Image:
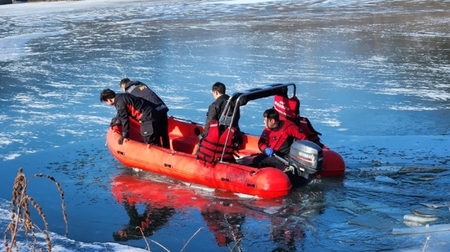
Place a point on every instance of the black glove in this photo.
(114, 122)
(122, 138)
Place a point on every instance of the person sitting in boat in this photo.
(128, 105)
(218, 142)
(289, 109)
(139, 89)
(216, 108)
(276, 139)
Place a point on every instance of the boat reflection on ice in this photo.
(223, 212)
(144, 224)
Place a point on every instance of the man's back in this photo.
(135, 106)
(139, 89)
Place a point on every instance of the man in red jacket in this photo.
(277, 138)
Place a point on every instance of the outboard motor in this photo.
(305, 158)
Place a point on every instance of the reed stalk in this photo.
(21, 203)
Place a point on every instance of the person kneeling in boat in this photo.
(141, 90)
(145, 112)
(276, 139)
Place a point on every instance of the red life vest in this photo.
(226, 143)
(289, 108)
(307, 129)
(213, 145)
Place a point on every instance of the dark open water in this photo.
(372, 76)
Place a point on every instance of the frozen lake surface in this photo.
(372, 76)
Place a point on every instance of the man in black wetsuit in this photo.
(139, 89)
(145, 112)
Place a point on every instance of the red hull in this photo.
(180, 162)
(137, 190)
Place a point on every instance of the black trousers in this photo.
(164, 130)
(262, 160)
(155, 129)
(150, 132)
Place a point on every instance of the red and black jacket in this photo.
(128, 105)
(280, 138)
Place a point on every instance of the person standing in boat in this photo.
(140, 89)
(276, 138)
(145, 112)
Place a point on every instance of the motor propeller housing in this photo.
(305, 158)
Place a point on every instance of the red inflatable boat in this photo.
(182, 163)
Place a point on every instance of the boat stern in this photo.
(333, 164)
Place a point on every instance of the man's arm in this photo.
(122, 116)
(263, 141)
(296, 132)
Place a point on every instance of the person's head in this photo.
(271, 118)
(120, 235)
(108, 96)
(218, 89)
(123, 83)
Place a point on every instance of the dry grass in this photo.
(21, 217)
(160, 245)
